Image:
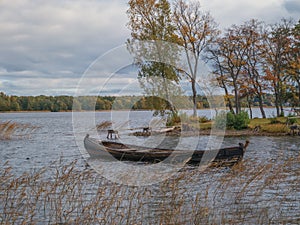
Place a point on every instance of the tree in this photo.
(152, 20)
(196, 30)
(277, 44)
(215, 59)
(4, 102)
(293, 65)
(253, 40)
(229, 53)
(14, 105)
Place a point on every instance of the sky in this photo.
(49, 47)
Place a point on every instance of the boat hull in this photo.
(104, 149)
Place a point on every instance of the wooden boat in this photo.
(122, 152)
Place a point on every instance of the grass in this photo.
(205, 126)
(266, 125)
(248, 193)
(10, 129)
(271, 125)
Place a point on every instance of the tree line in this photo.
(247, 61)
(52, 103)
(69, 103)
(88, 103)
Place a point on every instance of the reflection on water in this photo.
(267, 181)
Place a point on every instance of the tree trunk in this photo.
(277, 104)
(236, 98)
(259, 91)
(237, 102)
(228, 99)
(280, 97)
(298, 93)
(281, 110)
(230, 105)
(261, 107)
(250, 108)
(194, 97)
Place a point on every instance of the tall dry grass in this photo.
(248, 193)
(9, 129)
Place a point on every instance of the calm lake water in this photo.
(54, 139)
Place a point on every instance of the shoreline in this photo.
(230, 133)
(108, 110)
(247, 132)
(227, 133)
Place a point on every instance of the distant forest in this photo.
(68, 103)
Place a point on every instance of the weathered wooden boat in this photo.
(122, 152)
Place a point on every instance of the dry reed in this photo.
(9, 129)
(248, 193)
(104, 125)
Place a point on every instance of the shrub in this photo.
(291, 119)
(230, 120)
(240, 121)
(176, 118)
(173, 119)
(220, 120)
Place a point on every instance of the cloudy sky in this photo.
(47, 46)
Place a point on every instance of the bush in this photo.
(220, 120)
(173, 119)
(291, 119)
(230, 120)
(176, 118)
(240, 121)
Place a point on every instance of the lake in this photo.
(55, 140)
(55, 136)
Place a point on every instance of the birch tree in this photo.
(196, 30)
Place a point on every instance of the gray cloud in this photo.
(46, 46)
(228, 12)
(55, 39)
(292, 6)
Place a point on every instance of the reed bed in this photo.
(10, 129)
(247, 193)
